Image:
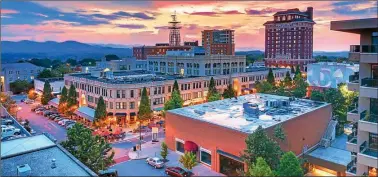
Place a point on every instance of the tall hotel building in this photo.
(363, 141)
(218, 42)
(289, 39)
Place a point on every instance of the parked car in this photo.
(9, 130)
(6, 121)
(28, 101)
(57, 119)
(39, 111)
(176, 171)
(156, 162)
(69, 125)
(68, 122)
(46, 113)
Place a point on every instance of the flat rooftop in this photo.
(230, 113)
(52, 79)
(38, 152)
(355, 26)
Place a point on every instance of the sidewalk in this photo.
(149, 149)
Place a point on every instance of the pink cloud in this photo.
(8, 11)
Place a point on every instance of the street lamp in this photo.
(140, 135)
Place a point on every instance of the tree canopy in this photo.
(260, 145)
(71, 97)
(144, 107)
(259, 169)
(71, 61)
(288, 81)
(188, 160)
(47, 93)
(176, 87)
(87, 62)
(62, 107)
(289, 165)
(300, 87)
(317, 95)
(174, 102)
(270, 77)
(19, 86)
(100, 111)
(229, 92)
(264, 87)
(47, 73)
(111, 57)
(91, 150)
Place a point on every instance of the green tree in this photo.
(46, 95)
(214, 97)
(144, 107)
(289, 165)
(19, 86)
(46, 73)
(62, 69)
(279, 132)
(229, 92)
(174, 102)
(288, 81)
(292, 70)
(300, 87)
(111, 57)
(71, 97)
(260, 145)
(188, 160)
(176, 87)
(91, 150)
(264, 87)
(270, 77)
(339, 103)
(317, 95)
(100, 112)
(259, 169)
(164, 151)
(72, 62)
(282, 90)
(212, 89)
(298, 71)
(62, 107)
(87, 62)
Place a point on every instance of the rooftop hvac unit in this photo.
(199, 112)
(251, 110)
(23, 170)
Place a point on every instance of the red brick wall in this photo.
(310, 126)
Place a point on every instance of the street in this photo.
(41, 124)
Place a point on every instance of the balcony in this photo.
(368, 122)
(364, 53)
(353, 84)
(367, 155)
(352, 167)
(369, 88)
(351, 144)
(352, 114)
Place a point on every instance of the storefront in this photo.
(121, 118)
(230, 165)
(86, 113)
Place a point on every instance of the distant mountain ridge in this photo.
(13, 51)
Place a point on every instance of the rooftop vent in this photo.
(277, 103)
(23, 170)
(252, 110)
(53, 164)
(199, 112)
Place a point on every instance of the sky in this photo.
(145, 22)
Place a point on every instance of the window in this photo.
(123, 93)
(180, 146)
(132, 105)
(124, 106)
(118, 105)
(169, 89)
(118, 93)
(131, 94)
(110, 105)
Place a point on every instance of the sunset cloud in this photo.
(146, 22)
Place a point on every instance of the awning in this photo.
(330, 157)
(226, 154)
(85, 112)
(159, 109)
(110, 113)
(132, 114)
(120, 114)
(54, 102)
(190, 146)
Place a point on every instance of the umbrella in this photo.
(105, 133)
(96, 132)
(117, 131)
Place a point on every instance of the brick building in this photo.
(218, 42)
(289, 39)
(216, 131)
(141, 52)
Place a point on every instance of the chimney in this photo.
(310, 11)
(23, 170)
(53, 165)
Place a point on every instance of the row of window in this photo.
(18, 72)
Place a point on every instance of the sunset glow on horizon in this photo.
(144, 22)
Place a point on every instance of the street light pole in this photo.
(140, 135)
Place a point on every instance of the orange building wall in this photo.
(309, 127)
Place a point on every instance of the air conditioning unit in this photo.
(23, 170)
(199, 112)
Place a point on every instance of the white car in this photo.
(156, 162)
(61, 122)
(9, 131)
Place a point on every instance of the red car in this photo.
(176, 171)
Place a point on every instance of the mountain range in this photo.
(14, 51)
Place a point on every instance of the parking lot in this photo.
(41, 124)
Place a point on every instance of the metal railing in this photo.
(369, 82)
(352, 138)
(364, 48)
(354, 78)
(351, 167)
(353, 108)
(366, 116)
(363, 147)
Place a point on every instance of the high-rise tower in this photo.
(174, 33)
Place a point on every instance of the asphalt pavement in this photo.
(41, 124)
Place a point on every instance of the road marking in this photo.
(52, 124)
